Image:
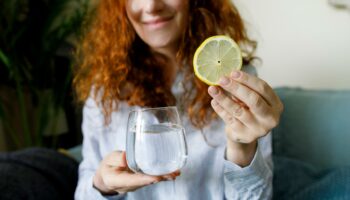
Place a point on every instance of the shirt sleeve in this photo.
(254, 181)
(92, 127)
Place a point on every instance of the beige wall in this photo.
(301, 42)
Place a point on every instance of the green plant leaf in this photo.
(4, 59)
(35, 40)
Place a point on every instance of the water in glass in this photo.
(156, 142)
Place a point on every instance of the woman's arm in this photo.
(253, 181)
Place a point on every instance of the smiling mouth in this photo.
(158, 22)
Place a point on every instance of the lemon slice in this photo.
(216, 57)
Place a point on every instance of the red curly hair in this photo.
(120, 66)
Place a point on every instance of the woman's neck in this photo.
(171, 66)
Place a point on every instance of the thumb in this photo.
(123, 165)
(116, 159)
(123, 162)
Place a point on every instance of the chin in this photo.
(159, 43)
(160, 40)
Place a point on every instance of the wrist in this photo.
(240, 153)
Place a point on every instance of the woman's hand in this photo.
(114, 177)
(250, 109)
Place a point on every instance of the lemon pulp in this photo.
(216, 57)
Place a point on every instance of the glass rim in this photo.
(153, 108)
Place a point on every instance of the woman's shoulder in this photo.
(94, 101)
(93, 109)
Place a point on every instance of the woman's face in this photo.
(159, 23)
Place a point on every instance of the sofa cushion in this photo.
(314, 127)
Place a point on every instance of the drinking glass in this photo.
(155, 141)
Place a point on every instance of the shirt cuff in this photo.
(256, 172)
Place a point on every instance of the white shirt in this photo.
(206, 174)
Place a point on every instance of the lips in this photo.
(158, 22)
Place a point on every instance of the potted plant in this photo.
(37, 40)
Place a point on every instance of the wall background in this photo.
(302, 43)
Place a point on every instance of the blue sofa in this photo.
(315, 127)
(311, 145)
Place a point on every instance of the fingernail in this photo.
(224, 81)
(235, 74)
(213, 90)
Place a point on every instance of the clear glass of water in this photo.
(156, 141)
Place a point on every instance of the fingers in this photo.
(131, 181)
(117, 159)
(123, 181)
(251, 98)
(239, 128)
(171, 176)
(233, 110)
(247, 104)
(141, 180)
(119, 174)
(256, 84)
(228, 118)
(115, 176)
(137, 179)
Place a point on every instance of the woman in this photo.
(138, 53)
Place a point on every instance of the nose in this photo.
(154, 6)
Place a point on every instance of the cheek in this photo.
(133, 11)
(133, 6)
(179, 5)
